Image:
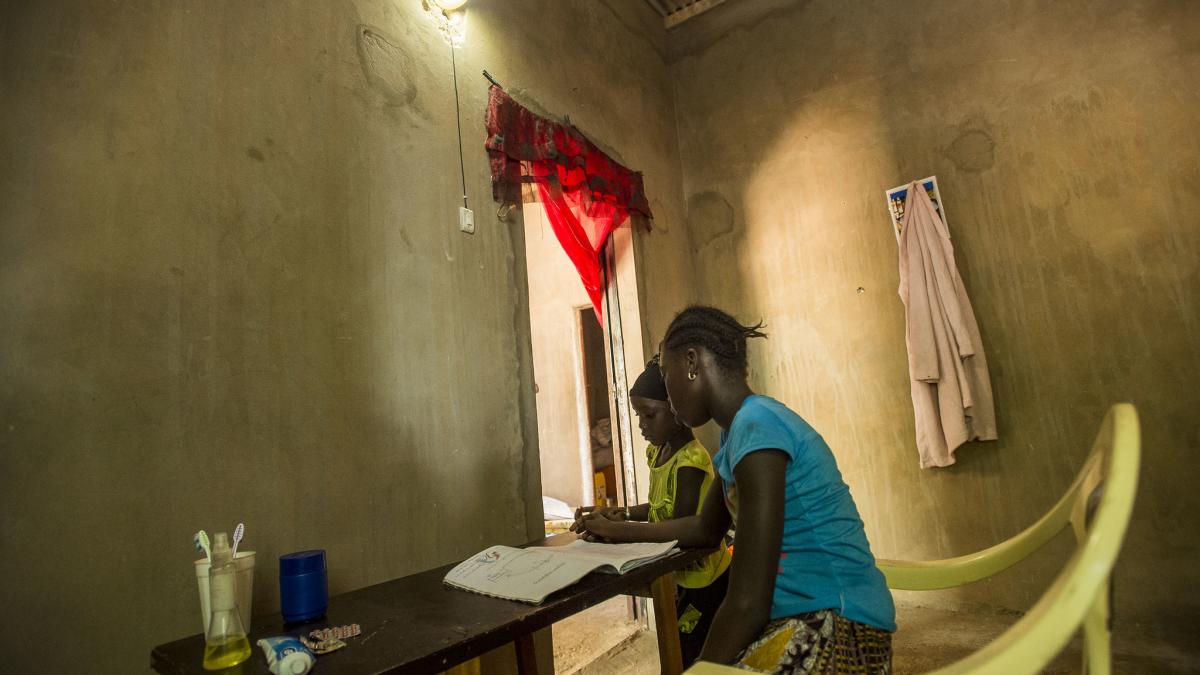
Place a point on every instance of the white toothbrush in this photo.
(201, 539)
(238, 533)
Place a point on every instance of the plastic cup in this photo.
(244, 561)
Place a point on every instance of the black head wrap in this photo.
(650, 383)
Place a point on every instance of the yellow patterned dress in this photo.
(819, 643)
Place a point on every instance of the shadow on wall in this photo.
(796, 124)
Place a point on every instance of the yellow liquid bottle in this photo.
(225, 653)
(225, 643)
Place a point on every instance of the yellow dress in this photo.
(662, 506)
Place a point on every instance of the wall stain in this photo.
(710, 218)
(255, 154)
(389, 69)
(973, 150)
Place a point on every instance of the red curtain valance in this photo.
(585, 193)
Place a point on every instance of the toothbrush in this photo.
(202, 542)
(238, 533)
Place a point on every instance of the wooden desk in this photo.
(416, 624)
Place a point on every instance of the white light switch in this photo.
(466, 220)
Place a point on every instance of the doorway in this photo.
(579, 366)
(583, 415)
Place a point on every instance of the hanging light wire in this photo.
(462, 169)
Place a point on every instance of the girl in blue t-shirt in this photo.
(804, 593)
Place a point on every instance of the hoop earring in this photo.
(691, 376)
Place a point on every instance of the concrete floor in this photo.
(597, 636)
(928, 639)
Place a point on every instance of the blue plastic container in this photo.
(303, 586)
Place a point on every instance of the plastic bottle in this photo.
(225, 643)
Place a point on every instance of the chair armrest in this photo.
(706, 668)
(928, 575)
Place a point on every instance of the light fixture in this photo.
(450, 17)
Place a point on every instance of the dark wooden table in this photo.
(416, 624)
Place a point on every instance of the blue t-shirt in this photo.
(825, 561)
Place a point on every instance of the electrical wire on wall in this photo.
(462, 169)
(450, 17)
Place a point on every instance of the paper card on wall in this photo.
(897, 195)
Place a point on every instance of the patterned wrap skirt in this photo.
(819, 643)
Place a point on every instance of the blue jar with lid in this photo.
(303, 586)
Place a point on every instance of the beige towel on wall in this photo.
(951, 392)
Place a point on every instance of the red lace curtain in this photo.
(585, 193)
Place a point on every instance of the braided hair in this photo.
(716, 331)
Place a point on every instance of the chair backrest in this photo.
(1072, 509)
(1109, 482)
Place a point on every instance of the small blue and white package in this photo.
(286, 655)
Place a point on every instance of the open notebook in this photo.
(530, 574)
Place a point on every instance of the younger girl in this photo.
(680, 475)
(804, 593)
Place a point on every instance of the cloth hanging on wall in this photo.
(951, 391)
(585, 193)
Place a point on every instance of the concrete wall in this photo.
(1065, 139)
(233, 290)
(554, 293)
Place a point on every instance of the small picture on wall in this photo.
(897, 195)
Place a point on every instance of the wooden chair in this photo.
(1097, 507)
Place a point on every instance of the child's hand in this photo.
(580, 514)
(607, 512)
(593, 526)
